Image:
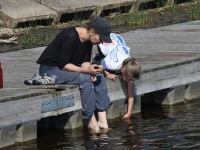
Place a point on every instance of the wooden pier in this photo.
(170, 59)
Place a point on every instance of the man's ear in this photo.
(92, 31)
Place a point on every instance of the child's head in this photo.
(130, 69)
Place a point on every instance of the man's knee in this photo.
(85, 78)
(85, 81)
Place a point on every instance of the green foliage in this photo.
(36, 37)
(194, 11)
(138, 18)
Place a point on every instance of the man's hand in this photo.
(95, 69)
(91, 69)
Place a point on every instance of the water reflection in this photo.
(165, 127)
(98, 141)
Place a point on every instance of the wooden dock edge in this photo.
(169, 86)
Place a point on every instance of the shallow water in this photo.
(166, 127)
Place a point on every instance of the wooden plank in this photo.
(164, 45)
(168, 78)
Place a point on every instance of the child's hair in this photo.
(132, 68)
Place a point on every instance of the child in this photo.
(115, 59)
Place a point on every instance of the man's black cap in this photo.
(102, 27)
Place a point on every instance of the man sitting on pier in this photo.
(66, 60)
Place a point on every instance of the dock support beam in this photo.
(70, 120)
(26, 131)
(7, 136)
(192, 91)
(116, 109)
(137, 104)
(169, 96)
(119, 108)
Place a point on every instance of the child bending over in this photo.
(115, 59)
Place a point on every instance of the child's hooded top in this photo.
(115, 53)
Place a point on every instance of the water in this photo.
(160, 127)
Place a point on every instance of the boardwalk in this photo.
(170, 58)
(154, 48)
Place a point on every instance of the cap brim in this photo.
(106, 38)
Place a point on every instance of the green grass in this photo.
(41, 36)
(194, 11)
(139, 18)
(36, 37)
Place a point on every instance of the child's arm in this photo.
(130, 100)
(110, 75)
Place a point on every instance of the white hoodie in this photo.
(115, 53)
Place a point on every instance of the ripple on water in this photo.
(166, 127)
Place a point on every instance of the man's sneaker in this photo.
(44, 80)
(30, 81)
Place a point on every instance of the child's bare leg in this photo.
(93, 125)
(102, 120)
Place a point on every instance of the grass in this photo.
(194, 11)
(159, 16)
(35, 37)
(41, 36)
(139, 18)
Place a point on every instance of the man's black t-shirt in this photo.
(66, 48)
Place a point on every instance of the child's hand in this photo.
(111, 76)
(126, 116)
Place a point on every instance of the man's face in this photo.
(94, 38)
